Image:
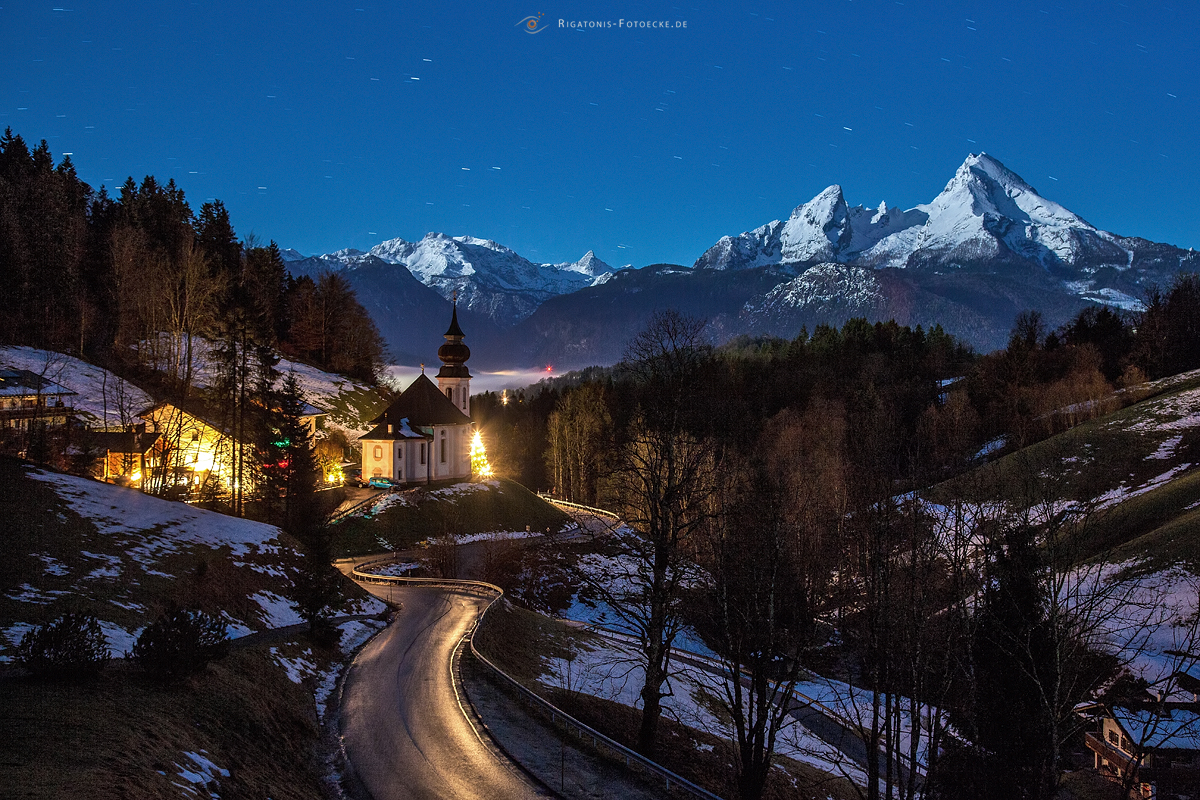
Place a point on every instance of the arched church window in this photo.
(378, 452)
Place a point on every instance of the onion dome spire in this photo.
(454, 353)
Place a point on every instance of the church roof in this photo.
(400, 430)
(422, 404)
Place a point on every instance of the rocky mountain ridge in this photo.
(987, 247)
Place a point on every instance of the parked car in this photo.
(380, 483)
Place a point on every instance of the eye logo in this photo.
(532, 24)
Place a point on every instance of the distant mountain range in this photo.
(984, 249)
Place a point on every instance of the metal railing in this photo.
(556, 713)
(598, 511)
(338, 516)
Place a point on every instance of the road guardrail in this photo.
(598, 511)
(556, 713)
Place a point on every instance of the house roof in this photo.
(125, 441)
(193, 407)
(309, 410)
(422, 404)
(23, 383)
(1161, 729)
(211, 415)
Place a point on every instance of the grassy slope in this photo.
(123, 737)
(1142, 461)
(112, 737)
(44, 549)
(477, 508)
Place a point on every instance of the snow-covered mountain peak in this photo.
(344, 254)
(986, 212)
(819, 229)
(487, 277)
(983, 185)
(589, 265)
(824, 205)
(390, 251)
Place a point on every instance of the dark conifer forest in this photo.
(104, 277)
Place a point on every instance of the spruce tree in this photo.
(289, 463)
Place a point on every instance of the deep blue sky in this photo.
(359, 118)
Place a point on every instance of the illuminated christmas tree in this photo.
(479, 463)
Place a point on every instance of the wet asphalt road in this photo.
(405, 724)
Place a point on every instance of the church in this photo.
(425, 435)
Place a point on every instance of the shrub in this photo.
(72, 646)
(180, 642)
(323, 633)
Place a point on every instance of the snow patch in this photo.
(32, 594)
(115, 510)
(120, 641)
(1166, 449)
(278, 612)
(53, 565)
(202, 773)
(298, 667)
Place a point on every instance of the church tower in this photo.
(454, 379)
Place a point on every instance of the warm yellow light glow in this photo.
(204, 458)
(503, 397)
(479, 462)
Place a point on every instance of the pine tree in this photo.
(1012, 654)
(289, 464)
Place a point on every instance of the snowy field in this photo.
(610, 670)
(621, 578)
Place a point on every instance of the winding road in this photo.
(405, 725)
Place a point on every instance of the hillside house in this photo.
(1157, 743)
(27, 398)
(126, 455)
(425, 435)
(194, 447)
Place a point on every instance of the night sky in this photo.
(342, 124)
